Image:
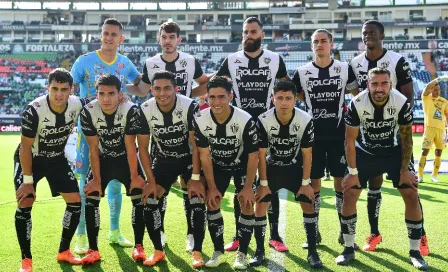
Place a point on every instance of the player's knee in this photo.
(261, 208)
(160, 191)
(27, 202)
(307, 208)
(375, 182)
(438, 152)
(71, 197)
(114, 188)
(316, 184)
(247, 209)
(425, 152)
(93, 195)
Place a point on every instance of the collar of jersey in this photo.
(108, 63)
(232, 110)
(178, 55)
(382, 55)
(56, 113)
(257, 57)
(326, 67)
(289, 122)
(171, 111)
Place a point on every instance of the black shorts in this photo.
(329, 154)
(57, 171)
(116, 168)
(166, 173)
(371, 166)
(223, 177)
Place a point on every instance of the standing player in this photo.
(187, 69)
(378, 141)
(107, 126)
(46, 125)
(227, 140)
(322, 84)
(86, 70)
(286, 134)
(168, 118)
(253, 72)
(435, 110)
(377, 56)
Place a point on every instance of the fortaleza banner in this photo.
(217, 47)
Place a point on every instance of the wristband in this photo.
(28, 179)
(306, 181)
(264, 182)
(352, 171)
(195, 176)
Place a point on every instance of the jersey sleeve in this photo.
(145, 76)
(352, 83)
(143, 123)
(405, 115)
(351, 116)
(403, 72)
(192, 110)
(78, 70)
(197, 69)
(308, 136)
(250, 137)
(30, 122)
(282, 72)
(87, 124)
(201, 140)
(264, 140)
(296, 80)
(224, 69)
(133, 72)
(132, 121)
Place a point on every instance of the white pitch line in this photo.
(276, 259)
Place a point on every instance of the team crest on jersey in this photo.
(391, 110)
(183, 63)
(385, 64)
(36, 104)
(119, 116)
(437, 115)
(72, 114)
(234, 127)
(295, 127)
(198, 114)
(178, 113)
(90, 105)
(120, 66)
(267, 60)
(337, 69)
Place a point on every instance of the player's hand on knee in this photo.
(350, 181)
(94, 185)
(213, 198)
(261, 192)
(136, 183)
(408, 178)
(246, 197)
(149, 190)
(195, 188)
(24, 191)
(307, 191)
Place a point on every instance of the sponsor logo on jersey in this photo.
(46, 120)
(308, 73)
(359, 65)
(56, 130)
(153, 118)
(234, 127)
(324, 82)
(155, 66)
(365, 113)
(323, 114)
(180, 127)
(237, 61)
(251, 103)
(99, 120)
(276, 140)
(240, 72)
(391, 110)
(104, 131)
(273, 128)
(371, 123)
(207, 128)
(224, 141)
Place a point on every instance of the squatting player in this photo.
(227, 140)
(378, 141)
(46, 125)
(286, 140)
(253, 71)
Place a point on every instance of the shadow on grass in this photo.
(125, 261)
(302, 263)
(395, 192)
(355, 263)
(174, 260)
(405, 259)
(66, 267)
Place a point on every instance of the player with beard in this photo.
(187, 70)
(377, 56)
(378, 141)
(85, 71)
(227, 140)
(322, 84)
(46, 125)
(253, 72)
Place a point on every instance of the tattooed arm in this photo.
(405, 132)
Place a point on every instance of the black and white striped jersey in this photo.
(397, 65)
(230, 142)
(253, 79)
(378, 126)
(324, 90)
(50, 129)
(285, 141)
(185, 67)
(169, 131)
(112, 128)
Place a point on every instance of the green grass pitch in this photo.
(391, 255)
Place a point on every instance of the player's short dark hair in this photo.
(164, 75)
(60, 75)
(108, 80)
(253, 20)
(220, 82)
(376, 23)
(170, 27)
(113, 21)
(378, 71)
(322, 30)
(285, 86)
